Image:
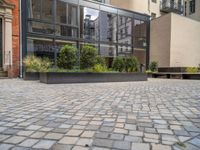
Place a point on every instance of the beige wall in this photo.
(175, 41)
(195, 15)
(144, 6)
(160, 40)
(185, 42)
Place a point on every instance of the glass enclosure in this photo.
(50, 24)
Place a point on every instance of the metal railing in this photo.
(171, 6)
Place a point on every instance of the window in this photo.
(192, 6)
(154, 1)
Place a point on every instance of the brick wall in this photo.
(14, 69)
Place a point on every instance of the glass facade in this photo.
(50, 24)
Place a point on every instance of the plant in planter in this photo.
(68, 57)
(153, 66)
(101, 60)
(98, 68)
(192, 70)
(118, 64)
(132, 64)
(36, 64)
(88, 56)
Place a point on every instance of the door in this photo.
(1, 51)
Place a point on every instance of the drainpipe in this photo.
(20, 24)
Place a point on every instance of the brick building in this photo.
(9, 38)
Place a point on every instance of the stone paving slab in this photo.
(155, 115)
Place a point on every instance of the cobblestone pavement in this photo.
(154, 115)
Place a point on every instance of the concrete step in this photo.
(3, 74)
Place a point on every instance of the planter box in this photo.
(60, 77)
(31, 76)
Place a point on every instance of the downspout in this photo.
(20, 24)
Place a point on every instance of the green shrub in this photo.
(99, 68)
(132, 64)
(153, 66)
(149, 71)
(88, 56)
(68, 57)
(101, 60)
(119, 64)
(192, 70)
(36, 64)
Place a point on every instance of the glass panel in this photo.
(108, 27)
(72, 18)
(125, 50)
(40, 9)
(39, 27)
(62, 30)
(108, 50)
(140, 54)
(89, 23)
(40, 48)
(61, 16)
(140, 34)
(125, 30)
(34, 9)
(47, 10)
(140, 31)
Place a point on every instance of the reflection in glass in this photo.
(38, 27)
(62, 30)
(140, 41)
(61, 12)
(40, 9)
(125, 30)
(40, 48)
(89, 23)
(125, 50)
(108, 27)
(66, 13)
(108, 50)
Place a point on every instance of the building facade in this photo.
(47, 25)
(9, 38)
(175, 41)
(192, 9)
(154, 8)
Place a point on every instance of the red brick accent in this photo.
(14, 69)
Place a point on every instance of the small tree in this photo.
(67, 58)
(153, 66)
(132, 64)
(119, 64)
(88, 56)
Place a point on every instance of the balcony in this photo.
(168, 6)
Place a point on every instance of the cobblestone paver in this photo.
(154, 115)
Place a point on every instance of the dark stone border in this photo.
(33, 76)
(189, 76)
(60, 77)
